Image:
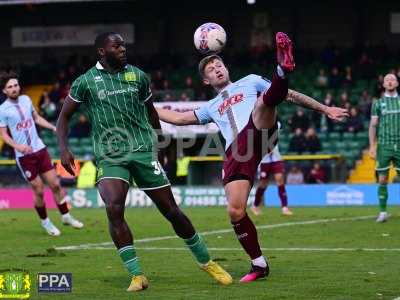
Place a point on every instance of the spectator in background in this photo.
(379, 89)
(47, 108)
(166, 86)
(366, 66)
(54, 94)
(299, 120)
(348, 80)
(321, 80)
(184, 97)
(167, 97)
(313, 144)
(335, 81)
(297, 142)
(354, 123)
(325, 124)
(82, 128)
(295, 176)
(317, 174)
(344, 99)
(158, 80)
(365, 104)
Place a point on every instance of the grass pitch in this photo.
(332, 257)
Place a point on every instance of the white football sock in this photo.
(259, 262)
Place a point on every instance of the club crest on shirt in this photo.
(101, 94)
(28, 174)
(130, 76)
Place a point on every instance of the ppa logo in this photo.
(54, 282)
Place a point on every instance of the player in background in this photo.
(384, 138)
(245, 112)
(18, 114)
(117, 98)
(271, 164)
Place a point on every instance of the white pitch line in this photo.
(295, 249)
(212, 232)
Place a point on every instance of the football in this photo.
(209, 38)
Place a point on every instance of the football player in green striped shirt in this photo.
(117, 99)
(384, 138)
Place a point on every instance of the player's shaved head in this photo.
(102, 39)
(390, 76)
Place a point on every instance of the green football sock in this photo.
(383, 196)
(131, 261)
(199, 249)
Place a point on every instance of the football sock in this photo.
(41, 211)
(282, 195)
(198, 248)
(131, 261)
(63, 208)
(277, 92)
(259, 196)
(259, 261)
(383, 196)
(246, 233)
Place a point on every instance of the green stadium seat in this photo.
(348, 136)
(326, 146)
(73, 142)
(86, 142)
(334, 135)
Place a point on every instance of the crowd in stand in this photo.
(336, 78)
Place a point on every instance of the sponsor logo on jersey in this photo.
(102, 94)
(25, 124)
(229, 102)
(98, 78)
(130, 76)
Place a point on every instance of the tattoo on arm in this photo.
(304, 101)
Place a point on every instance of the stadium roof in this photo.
(18, 2)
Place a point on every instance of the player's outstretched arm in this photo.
(372, 136)
(177, 118)
(42, 122)
(332, 112)
(25, 149)
(67, 158)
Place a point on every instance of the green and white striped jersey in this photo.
(115, 105)
(387, 109)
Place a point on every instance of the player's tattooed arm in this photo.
(67, 158)
(177, 118)
(334, 113)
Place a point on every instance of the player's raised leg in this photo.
(264, 113)
(237, 193)
(113, 192)
(54, 184)
(40, 207)
(165, 202)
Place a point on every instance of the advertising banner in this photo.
(77, 35)
(299, 195)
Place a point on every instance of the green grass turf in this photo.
(99, 274)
